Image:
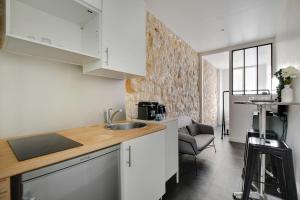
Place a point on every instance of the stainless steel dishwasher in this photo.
(94, 176)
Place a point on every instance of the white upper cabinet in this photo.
(106, 37)
(123, 40)
(62, 30)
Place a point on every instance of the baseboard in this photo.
(237, 140)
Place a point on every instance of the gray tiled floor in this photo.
(219, 174)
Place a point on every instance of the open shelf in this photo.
(69, 10)
(60, 30)
(29, 47)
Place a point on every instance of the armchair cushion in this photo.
(183, 130)
(204, 129)
(203, 140)
(194, 129)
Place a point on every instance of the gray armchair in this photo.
(194, 137)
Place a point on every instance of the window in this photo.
(252, 70)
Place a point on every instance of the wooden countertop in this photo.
(93, 138)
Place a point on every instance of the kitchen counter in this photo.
(92, 138)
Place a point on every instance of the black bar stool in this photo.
(255, 133)
(283, 162)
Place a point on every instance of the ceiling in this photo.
(200, 22)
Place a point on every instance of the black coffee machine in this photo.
(149, 110)
(161, 109)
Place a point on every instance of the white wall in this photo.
(43, 96)
(288, 53)
(224, 85)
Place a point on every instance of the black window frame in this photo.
(244, 67)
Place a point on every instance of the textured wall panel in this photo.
(172, 74)
(210, 94)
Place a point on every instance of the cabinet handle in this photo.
(84, 158)
(129, 156)
(106, 51)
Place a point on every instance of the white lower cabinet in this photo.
(143, 167)
(171, 149)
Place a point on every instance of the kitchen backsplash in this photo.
(42, 96)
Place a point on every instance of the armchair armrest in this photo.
(187, 144)
(204, 129)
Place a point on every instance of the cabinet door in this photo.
(142, 168)
(123, 36)
(171, 148)
(93, 179)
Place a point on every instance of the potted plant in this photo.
(285, 77)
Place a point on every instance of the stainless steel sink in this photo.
(125, 125)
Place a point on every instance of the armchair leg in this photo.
(214, 146)
(195, 161)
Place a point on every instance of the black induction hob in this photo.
(30, 147)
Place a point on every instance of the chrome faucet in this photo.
(109, 117)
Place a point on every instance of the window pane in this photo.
(238, 81)
(251, 71)
(264, 68)
(238, 72)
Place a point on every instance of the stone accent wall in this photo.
(210, 94)
(172, 74)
